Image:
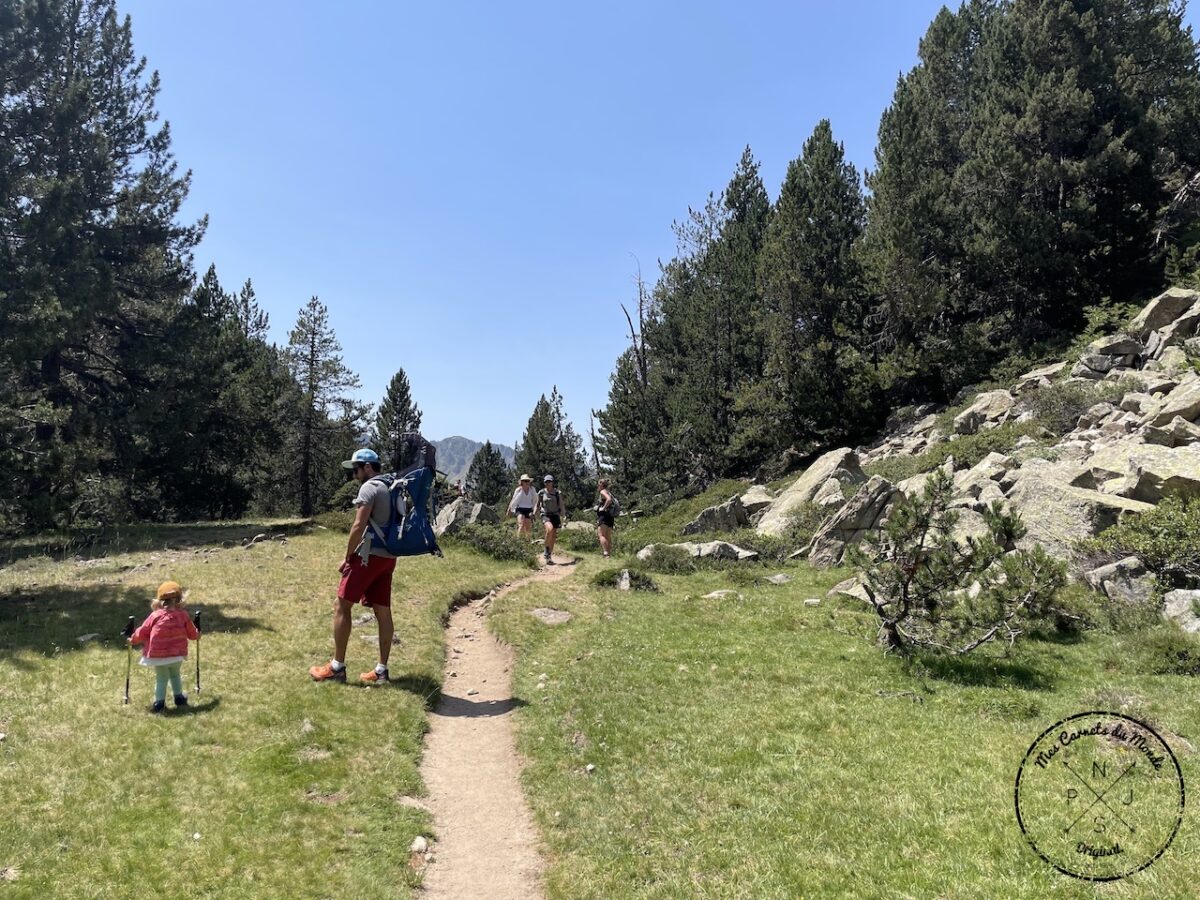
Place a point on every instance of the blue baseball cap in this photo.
(361, 456)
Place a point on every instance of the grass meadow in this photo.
(268, 785)
(757, 747)
(748, 746)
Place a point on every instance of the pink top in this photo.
(165, 633)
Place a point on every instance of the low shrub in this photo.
(611, 578)
(497, 542)
(668, 560)
(1077, 608)
(1166, 539)
(1166, 650)
(335, 520)
(1059, 406)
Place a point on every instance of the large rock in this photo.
(1179, 433)
(756, 499)
(579, 525)
(851, 523)
(914, 486)
(990, 408)
(841, 464)
(970, 524)
(1179, 331)
(1057, 515)
(850, 587)
(1127, 580)
(830, 495)
(1117, 345)
(1163, 310)
(1184, 402)
(727, 516)
(460, 513)
(1180, 607)
(706, 550)
(1149, 382)
(1043, 372)
(1169, 473)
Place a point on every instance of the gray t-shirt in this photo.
(551, 503)
(375, 495)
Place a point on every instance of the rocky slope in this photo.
(1120, 456)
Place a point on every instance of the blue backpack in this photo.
(408, 531)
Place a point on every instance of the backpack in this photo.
(408, 531)
(614, 506)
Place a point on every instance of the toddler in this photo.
(166, 633)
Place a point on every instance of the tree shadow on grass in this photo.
(423, 686)
(53, 618)
(983, 671)
(462, 708)
(96, 543)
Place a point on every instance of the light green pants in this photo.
(162, 673)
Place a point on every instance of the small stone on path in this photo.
(419, 845)
(781, 578)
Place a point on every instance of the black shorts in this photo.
(554, 519)
(526, 511)
(605, 518)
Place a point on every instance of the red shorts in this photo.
(370, 585)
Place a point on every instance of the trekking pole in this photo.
(128, 633)
(197, 623)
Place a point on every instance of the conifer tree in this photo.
(92, 255)
(330, 419)
(489, 477)
(812, 291)
(396, 415)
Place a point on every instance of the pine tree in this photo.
(396, 415)
(92, 256)
(489, 477)
(330, 419)
(704, 331)
(812, 290)
(1027, 170)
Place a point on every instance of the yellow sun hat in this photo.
(169, 590)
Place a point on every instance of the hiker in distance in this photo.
(368, 582)
(606, 509)
(553, 510)
(524, 499)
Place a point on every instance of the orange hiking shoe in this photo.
(374, 677)
(328, 673)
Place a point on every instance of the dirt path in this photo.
(486, 840)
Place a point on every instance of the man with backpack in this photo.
(366, 577)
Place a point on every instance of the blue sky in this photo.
(469, 187)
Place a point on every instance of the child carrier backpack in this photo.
(409, 531)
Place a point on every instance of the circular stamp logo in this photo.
(1099, 796)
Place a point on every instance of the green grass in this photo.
(757, 747)
(294, 788)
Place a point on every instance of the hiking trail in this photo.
(487, 844)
